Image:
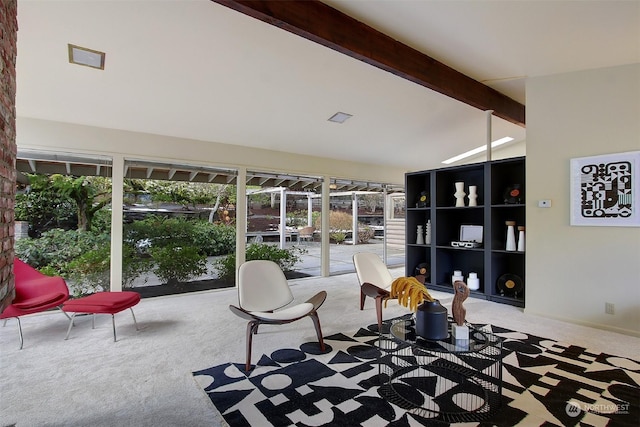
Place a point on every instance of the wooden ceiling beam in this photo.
(329, 27)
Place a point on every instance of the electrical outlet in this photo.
(544, 203)
(609, 308)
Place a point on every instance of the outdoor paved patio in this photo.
(340, 257)
(340, 260)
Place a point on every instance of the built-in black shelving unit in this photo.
(501, 272)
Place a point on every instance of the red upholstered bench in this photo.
(102, 303)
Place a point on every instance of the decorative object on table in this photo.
(431, 316)
(470, 237)
(521, 238)
(427, 233)
(409, 292)
(511, 235)
(513, 194)
(473, 195)
(421, 272)
(431, 321)
(473, 282)
(419, 236)
(602, 190)
(459, 194)
(510, 285)
(461, 292)
(456, 276)
(423, 200)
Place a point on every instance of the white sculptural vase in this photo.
(473, 282)
(457, 276)
(521, 238)
(511, 236)
(459, 194)
(427, 233)
(473, 195)
(420, 236)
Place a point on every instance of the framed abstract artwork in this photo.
(605, 190)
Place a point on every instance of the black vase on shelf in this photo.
(431, 321)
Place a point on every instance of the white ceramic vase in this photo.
(521, 238)
(473, 195)
(459, 194)
(457, 275)
(473, 282)
(511, 236)
(419, 236)
(427, 233)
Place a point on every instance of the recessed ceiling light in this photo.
(339, 117)
(87, 57)
(478, 150)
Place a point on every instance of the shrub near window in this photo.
(173, 264)
(214, 239)
(285, 258)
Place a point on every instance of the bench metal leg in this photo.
(113, 322)
(20, 332)
(134, 318)
(70, 325)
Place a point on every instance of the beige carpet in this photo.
(145, 379)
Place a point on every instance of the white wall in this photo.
(572, 271)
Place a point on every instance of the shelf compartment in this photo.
(447, 261)
(504, 174)
(416, 183)
(506, 263)
(499, 217)
(413, 218)
(448, 222)
(470, 175)
(417, 254)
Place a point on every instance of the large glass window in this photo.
(179, 231)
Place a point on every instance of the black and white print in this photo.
(544, 382)
(605, 190)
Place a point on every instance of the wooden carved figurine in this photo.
(461, 292)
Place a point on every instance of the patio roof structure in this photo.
(69, 164)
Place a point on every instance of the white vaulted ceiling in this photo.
(197, 69)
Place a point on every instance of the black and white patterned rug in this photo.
(544, 382)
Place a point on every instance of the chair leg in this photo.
(379, 313)
(362, 298)
(252, 328)
(63, 312)
(316, 323)
(113, 321)
(70, 325)
(134, 318)
(20, 332)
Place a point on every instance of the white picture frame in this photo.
(605, 190)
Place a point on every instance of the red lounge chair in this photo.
(35, 293)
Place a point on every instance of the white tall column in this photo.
(241, 218)
(117, 199)
(283, 217)
(489, 134)
(354, 219)
(325, 266)
(309, 210)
